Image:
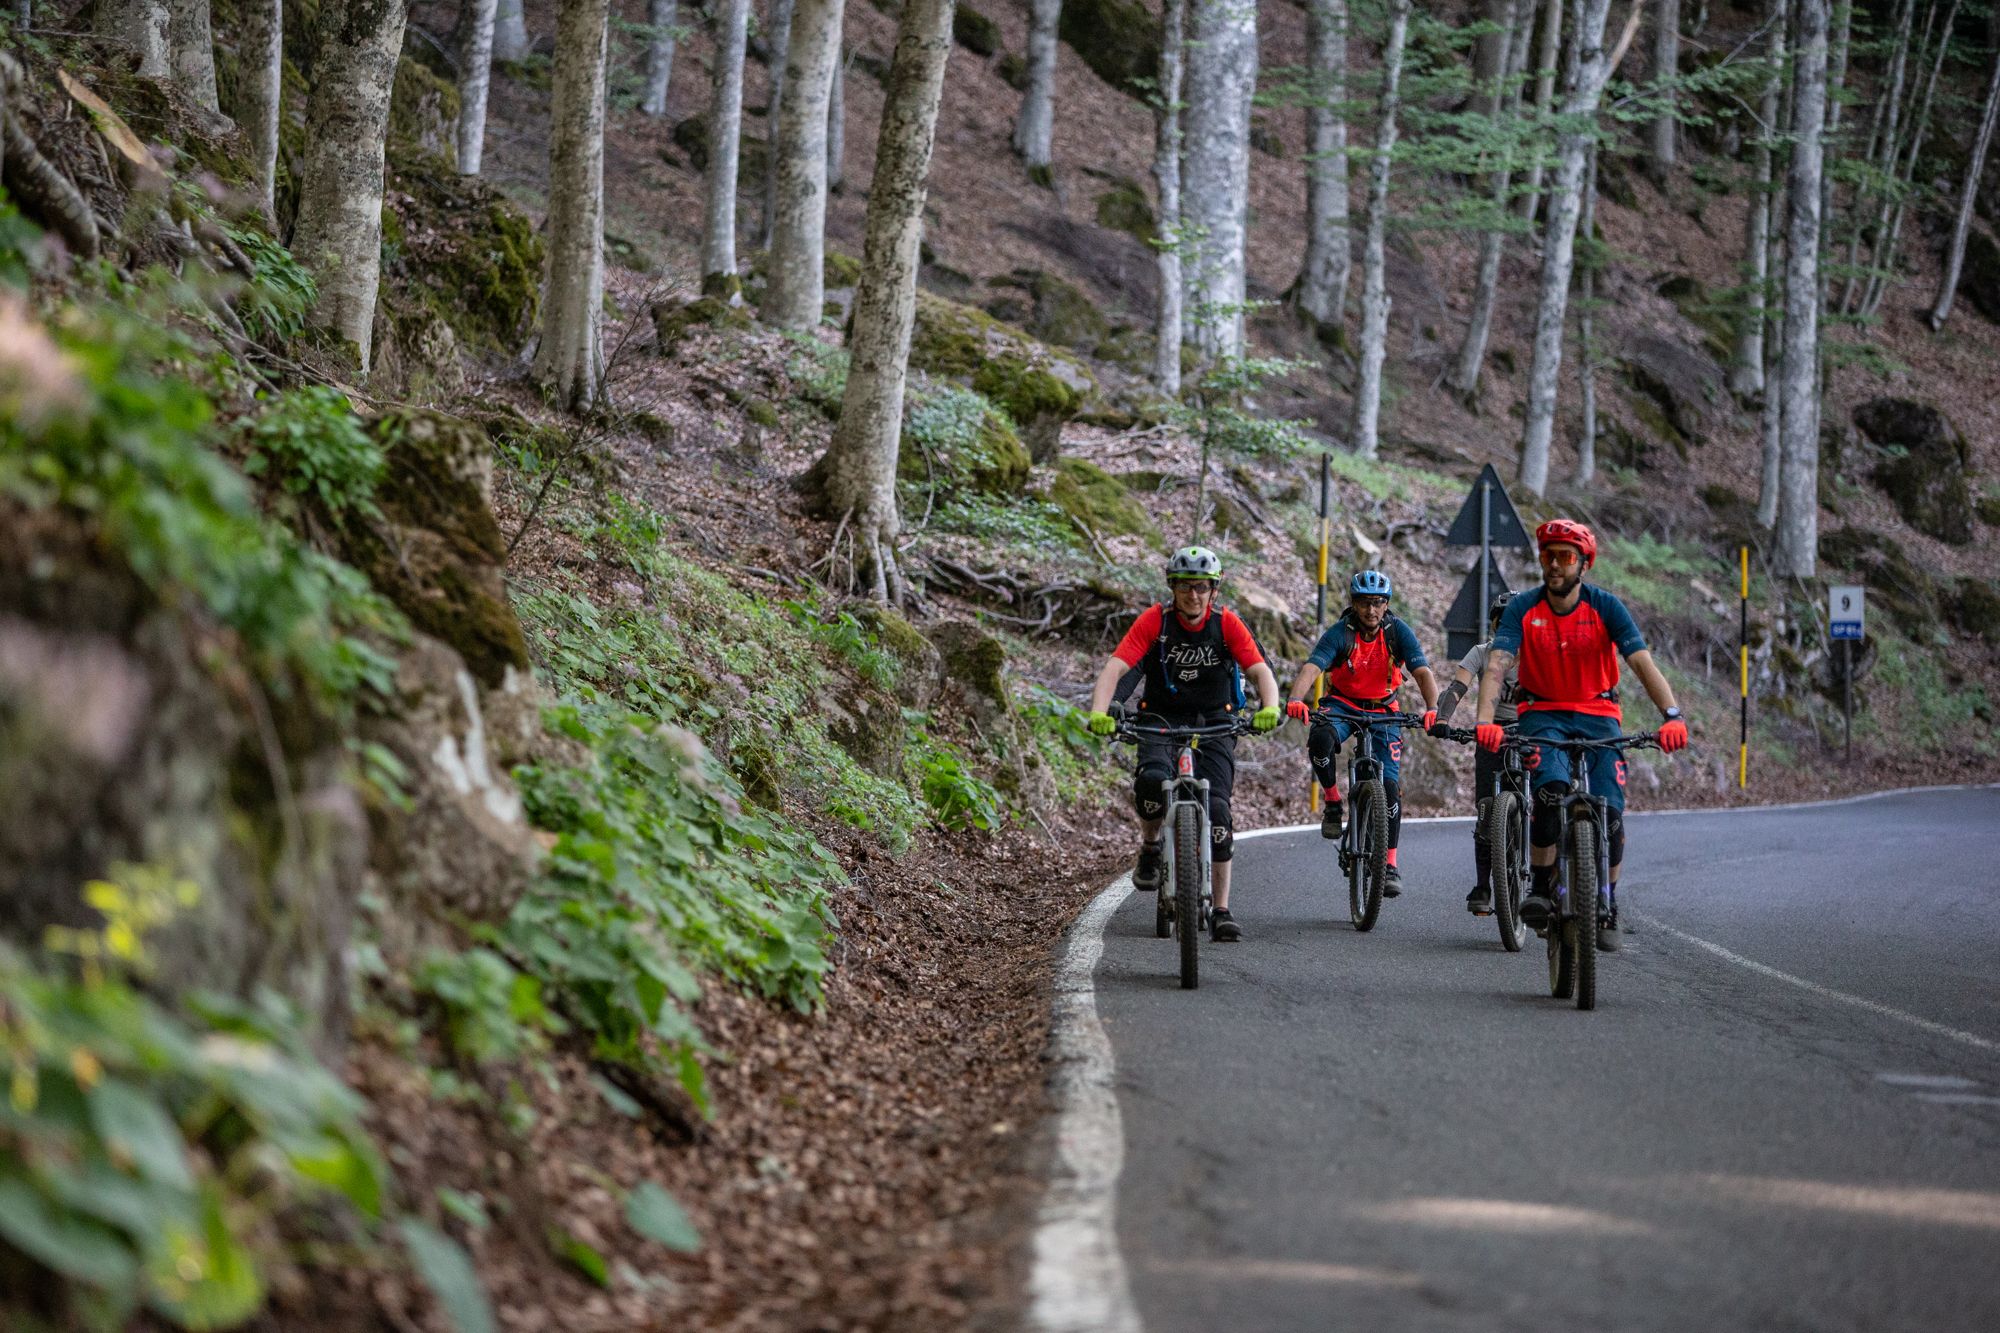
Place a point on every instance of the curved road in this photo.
(1784, 1115)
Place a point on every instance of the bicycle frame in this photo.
(1582, 803)
(1186, 789)
(1362, 765)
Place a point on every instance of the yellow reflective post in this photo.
(1743, 721)
(1312, 783)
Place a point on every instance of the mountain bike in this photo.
(1186, 852)
(1585, 898)
(1364, 842)
(1503, 830)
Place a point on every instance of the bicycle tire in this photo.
(1583, 909)
(1187, 891)
(1370, 865)
(1562, 960)
(1163, 915)
(1503, 834)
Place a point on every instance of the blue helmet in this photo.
(1371, 583)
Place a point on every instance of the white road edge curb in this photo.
(1078, 1283)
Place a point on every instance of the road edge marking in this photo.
(1078, 1282)
(1824, 992)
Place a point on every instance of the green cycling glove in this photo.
(1267, 718)
(1101, 724)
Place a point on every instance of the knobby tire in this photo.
(1370, 864)
(1505, 833)
(1187, 891)
(1583, 908)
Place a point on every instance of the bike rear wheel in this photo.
(1583, 909)
(1187, 891)
(1505, 831)
(1369, 865)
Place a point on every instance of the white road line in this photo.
(1078, 1284)
(1824, 992)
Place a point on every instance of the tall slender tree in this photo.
(780, 38)
(1584, 86)
(263, 53)
(1034, 128)
(569, 360)
(1798, 468)
(857, 474)
(139, 28)
(725, 133)
(1548, 47)
(1505, 104)
(1772, 418)
(1374, 276)
(798, 235)
(191, 51)
(1322, 283)
(1746, 372)
(1221, 77)
(475, 77)
(1167, 177)
(1666, 70)
(1586, 349)
(1888, 239)
(836, 124)
(510, 32)
(1968, 195)
(338, 234)
(661, 16)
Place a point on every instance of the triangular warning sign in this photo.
(1503, 523)
(1465, 623)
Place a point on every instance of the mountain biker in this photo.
(1362, 655)
(1563, 640)
(1191, 655)
(1486, 768)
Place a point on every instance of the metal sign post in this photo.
(1743, 719)
(1489, 521)
(1845, 613)
(1325, 495)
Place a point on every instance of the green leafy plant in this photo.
(275, 305)
(958, 798)
(309, 442)
(848, 639)
(492, 1012)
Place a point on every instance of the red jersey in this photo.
(1569, 662)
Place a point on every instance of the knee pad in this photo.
(1221, 830)
(1149, 790)
(1321, 748)
(1547, 820)
(1614, 833)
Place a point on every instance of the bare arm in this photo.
(1428, 684)
(1497, 663)
(1661, 693)
(1302, 687)
(1266, 683)
(1107, 684)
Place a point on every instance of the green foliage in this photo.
(1060, 733)
(849, 639)
(962, 442)
(819, 372)
(656, 1215)
(958, 798)
(1647, 571)
(449, 1273)
(309, 442)
(492, 1012)
(274, 307)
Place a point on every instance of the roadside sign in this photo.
(1465, 623)
(1502, 525)
(1844, 612)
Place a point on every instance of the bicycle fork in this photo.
(1584, 806)
(1185, 782)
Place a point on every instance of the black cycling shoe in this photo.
(1223, 927)
(1392, 882)
(1607, 938)
(1479, 902)
(1537, 911)
(1329, 822)
(1146, 876)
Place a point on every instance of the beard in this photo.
(1561, 585)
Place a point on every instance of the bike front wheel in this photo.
(1505, 832)
(1187, 891)
(1583, 909)
(1368, 866)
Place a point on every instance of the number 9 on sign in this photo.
(1844, 607)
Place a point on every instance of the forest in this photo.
(552, 554)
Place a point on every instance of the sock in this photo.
(1333, 796)
(1545, 880)
(1483, 861)
(1392, 856)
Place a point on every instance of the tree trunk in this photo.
(510, 32)
(191, 51)
(1329, 253)
(781, 46)
(1167, 176)
(1975, 167)
(798, 236)
(661, 15)
(263, 45)
(1586, 447)
(1586, 85)
(1666, 69)
(858, 470)
(1463, 374)
(1882, 140)
(1885, 253)
(138, 27)
(475, 77)
(836, 125)
(338, 235)
(1545, 95)
(569, 361)
(1221, 76)
(1798, 467)
(725, 132)
(1035, 126)
(1374, 287)
(1746, 373)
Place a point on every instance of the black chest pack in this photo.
(1192, 670)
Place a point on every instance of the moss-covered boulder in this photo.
(1058, 312)
(1037, 385)
(1690, 297)
(867, 723)
(977, 661)
(1118, 39)
(456, 247)
(1903, 589)
(1089, 493)
(1674, 388)
(953, 439)
(435, 549)
(423, 112)
(975, 32)
(919, 668)
(674, 318)
(1975, 608)
(691, 136)
(1126, 207)
(1928, 479)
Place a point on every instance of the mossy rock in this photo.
(1690, 297)
(1013, 71)
(1975, 608)
(673, 318)
(1060, 314)
(1088, 492)
(1125, 207)
(996, 463)
(1118, 39)
(974, 31)
(456, 245)
(691, 136)
(839, 270)
(1988, 509)
(436, 551)
(157, 110)
(423, 112)
(867, 723)
(1032, 381)
(919, 669)
(1903, 589)
(975, 659)
(1928, 481)
(1031, 394)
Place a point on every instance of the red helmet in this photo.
(1571, 533)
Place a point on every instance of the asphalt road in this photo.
(1403, 1131)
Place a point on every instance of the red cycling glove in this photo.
(1297, 710)
(1491, 737)
(1674, 736)
(1430, 718)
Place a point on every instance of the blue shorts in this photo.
(1330, 731)
(1547, 764)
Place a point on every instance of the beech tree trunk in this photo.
(1035, 126)
(798, 236)
(1798, 467)
(1968, 195)
(1167, 176)
(1374, 276)
(1545, 94)
(263, 48)
(1884, 262)
(1586, 446)
(661, 15)
(725, 132)
(569, 361)
(858, 470)
(191, 51)
(1746, 374)
(338, 234)
(781, 45)
(1221, 77)
(1666, 68)
(1329, 253)
(1463, 374)
(475, 77)
(836, 125)
(140, 27)
(510, 32)
(1585, 84)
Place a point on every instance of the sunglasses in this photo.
(1560, 558)
(1371, 603)
(1205, 587)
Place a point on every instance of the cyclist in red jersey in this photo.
(1564, 639)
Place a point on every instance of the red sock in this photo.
(1333, 796)
(1392, 856)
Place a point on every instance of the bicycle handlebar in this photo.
(1131, 732)
(1352, 714)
